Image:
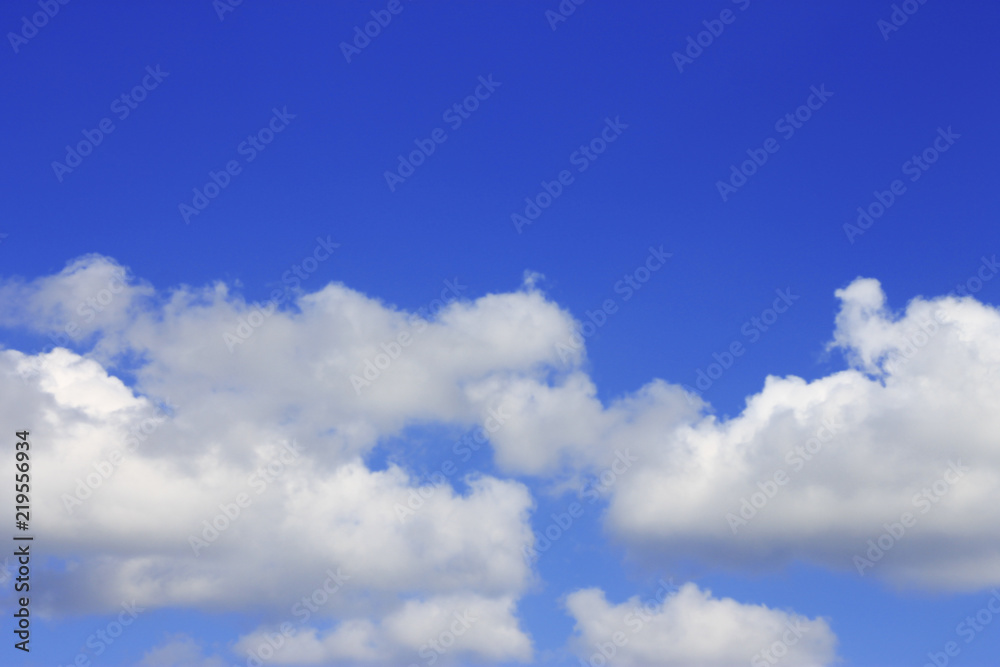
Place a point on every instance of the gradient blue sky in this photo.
(655, 185)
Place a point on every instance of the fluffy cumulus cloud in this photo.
(889, 468)
(181, 487)
(690, 627)
(555, 426)
(138, 522)
(439, 630)
(90, 295)
(179, 651)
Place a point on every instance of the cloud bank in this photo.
(181, 487)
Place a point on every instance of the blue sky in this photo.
(648, 234)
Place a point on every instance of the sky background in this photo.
(558, 85)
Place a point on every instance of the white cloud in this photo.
(91, 294)
(124, 516)
(690, 627)
(919, 400)
(179, 651)
(565, 425)
(218, 419)
(134, 515)
(439, 630)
